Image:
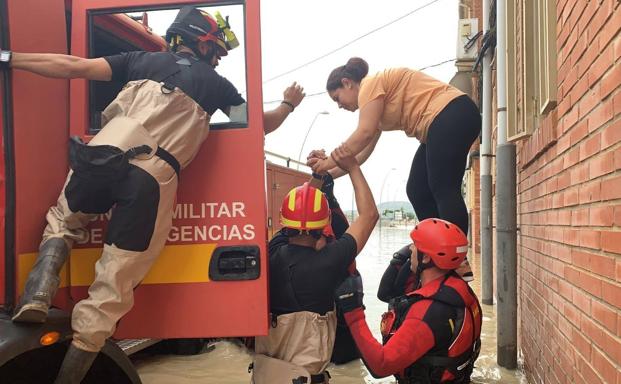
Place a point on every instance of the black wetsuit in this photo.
(303, 279)
(434, 184)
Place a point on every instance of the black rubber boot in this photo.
(43, 282)
(76, 364)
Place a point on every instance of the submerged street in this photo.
(228, 361)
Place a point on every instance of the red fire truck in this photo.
(211, 279)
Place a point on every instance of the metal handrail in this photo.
(286, 158)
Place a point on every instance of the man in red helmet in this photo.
(303, 278)
(432, 334)
(151, 130)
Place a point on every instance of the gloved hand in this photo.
(5, 59)
(401, 256)
(328, 190)
(348, 296)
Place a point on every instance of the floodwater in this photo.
(228, 361)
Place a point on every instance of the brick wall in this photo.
(569, 208)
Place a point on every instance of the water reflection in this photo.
(228, 362)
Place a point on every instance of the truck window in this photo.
(145, 30)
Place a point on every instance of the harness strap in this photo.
(160, 152)
(170, 159)
(446, 362)
(319, 378)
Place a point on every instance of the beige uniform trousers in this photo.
(118, 271)
(300, 345)
(141, 114)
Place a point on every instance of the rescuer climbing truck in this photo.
(211, 279)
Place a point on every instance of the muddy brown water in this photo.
(228, 361)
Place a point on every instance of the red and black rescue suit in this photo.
(431, 335)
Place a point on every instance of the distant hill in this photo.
(395, 206)
(389, 205)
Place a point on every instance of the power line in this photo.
(351, 42)
(324, 92)
(437, 64)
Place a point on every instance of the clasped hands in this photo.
(342, 156)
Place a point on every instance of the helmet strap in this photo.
(178, 41)
(420, 268)
(211, 52)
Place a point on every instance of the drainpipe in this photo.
(487, 272)
(506, 217)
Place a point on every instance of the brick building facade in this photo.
(568, 139)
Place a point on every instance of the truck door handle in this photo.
(235, 263)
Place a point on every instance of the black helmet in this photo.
(194, 25)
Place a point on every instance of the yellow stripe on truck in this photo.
(176, 264)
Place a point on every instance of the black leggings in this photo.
(434, 185)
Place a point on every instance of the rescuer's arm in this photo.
(362, 227)
(292, 97)
(337, 172)
(338, 220)
(362, 138)
(412, 340)
(388, 287)
(62, 66)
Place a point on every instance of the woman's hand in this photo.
(317, 153)
(344, 158)
(314, 157)
(320, 166)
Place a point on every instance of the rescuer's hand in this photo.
(294, 94)
(344, 158)
(348, 295)
(401, 256)
(317, 154)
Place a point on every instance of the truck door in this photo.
(34, 139)
(211, 279)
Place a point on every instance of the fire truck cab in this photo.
(211, 279)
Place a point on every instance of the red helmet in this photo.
(305, 208)
(443, 241)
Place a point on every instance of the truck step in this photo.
(131, 346)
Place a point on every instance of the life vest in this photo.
(441, 365)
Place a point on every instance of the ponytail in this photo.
(355, 69)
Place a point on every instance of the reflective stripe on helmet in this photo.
(305, 208)
(317, 205)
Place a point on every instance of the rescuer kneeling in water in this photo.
(344, 349)
(151, 130)
(432, 334)
(303, 277)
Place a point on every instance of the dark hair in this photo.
(355, 69)
(292, 232)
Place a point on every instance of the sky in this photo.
(294, 33)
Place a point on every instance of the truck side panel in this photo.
(40, 122)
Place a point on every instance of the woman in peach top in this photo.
(445, 121)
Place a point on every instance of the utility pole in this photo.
(506, 219)
(487, 259)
